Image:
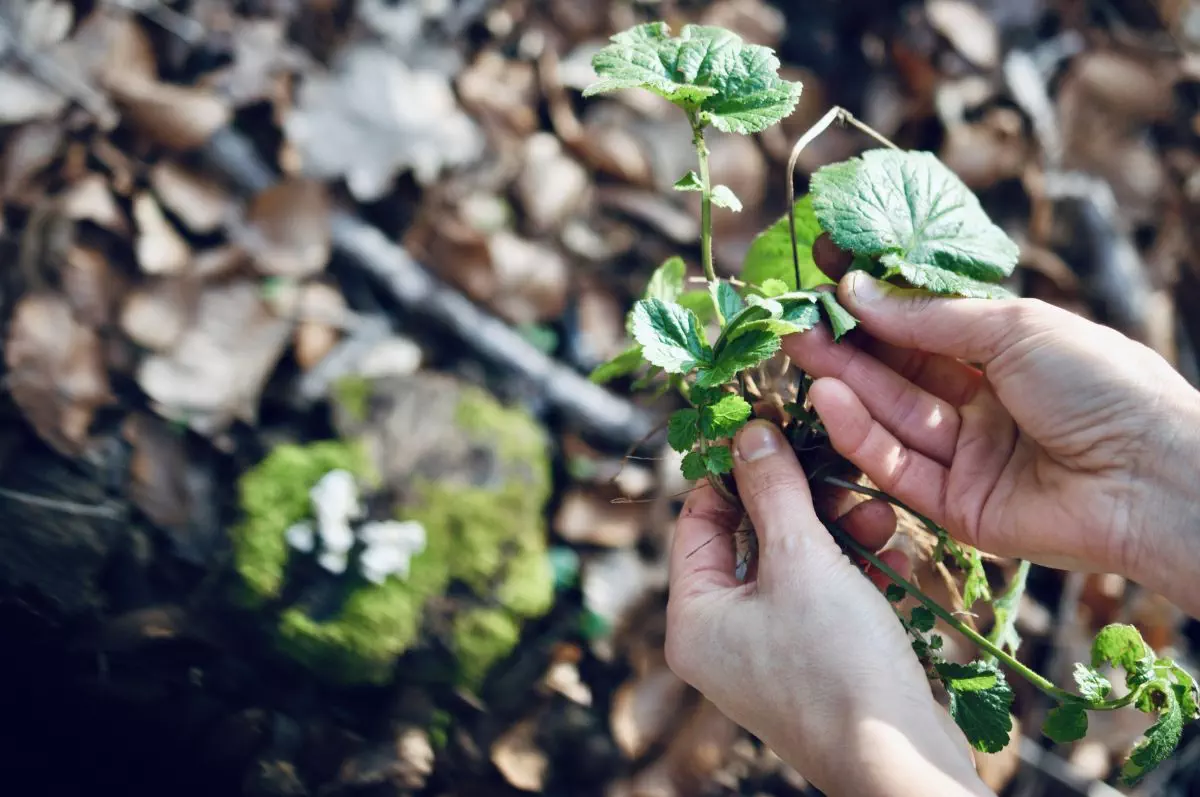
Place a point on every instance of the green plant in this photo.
(905, 217)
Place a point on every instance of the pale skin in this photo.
(1065, 443)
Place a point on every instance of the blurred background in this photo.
(249, 242)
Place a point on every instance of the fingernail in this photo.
(865, 288)
(757, 440)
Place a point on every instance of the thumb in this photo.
(975, 330)
(774, 491)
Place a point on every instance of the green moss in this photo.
(517, 437)
(482, 637)
(354, 394)
(528, 586)
(273, 496)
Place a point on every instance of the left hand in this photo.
(808, 656)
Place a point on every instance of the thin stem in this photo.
(706, 247)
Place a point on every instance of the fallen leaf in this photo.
(552, 186)
(968, 28)
(216, 372)
(373, 118)
(91, 286)
(753, 20)
(200, 202)
(587, 517)
(261, 55)
(91, 199)
(404, 763)
(287, 231)
(30, 149)
(177, 117)
(158, 470)
(56, 372)
(519, 758)
(530, 279)
(644, 709)
(394, 356)
(322, 312)
(501, 91)
(24, 98)
(160, 249)
(155, 315)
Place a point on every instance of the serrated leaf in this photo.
(1066, 723)
(922, 620)
(728, 300)
(689, 182)
(980, 700)
(772, 287)
(939, 280)
(669, 335)
(913, 207)
(1159, 742)
(718, 460)
(725, 417)
(1092, 685)
(1122, 646)
(623, 364)
(744, 351)
(723, 197)
(975, 587)
(694, 466)
(683, 429)
(895, 593)
(706, 70)
(666, 283)
(701, 396)
(840, 319)
(1187, 690)
(770, 253)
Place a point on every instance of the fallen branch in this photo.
(588, 405)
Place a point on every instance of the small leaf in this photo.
(725, 417)
(1066, 723)
(728, 300)
(939, 280)
(1092, 685)
(702, 396)
(694, 466)
(772, 287)
(1187, 690)
(723, 197)
(911, 206)
(975, 587)
(839, 317)
(744, 351)
(980, 700)
(923, 620)
(706, 70)
(683, 429)
(895, 593)
(669, 335)
(666, 283)
(623, 364)
(699, 302)
(689, 182)
(1159, 743)
(936, 642)
(718, 460)
(770, 253)
(1122, 646)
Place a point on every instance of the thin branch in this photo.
(111, 511)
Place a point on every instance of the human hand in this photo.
(808, 655)
(1071, 445)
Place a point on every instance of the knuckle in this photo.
(770, 488)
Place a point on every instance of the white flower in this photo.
(391, 545)
(300, 536)
(333, 561)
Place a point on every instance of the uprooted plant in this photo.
(905, 216)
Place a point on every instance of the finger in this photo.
(775, 493)
(702, 555)
(897, 560)
(918, 418)
(976, 330)
(871, 522)
(833, 261)
(906, 474)
(944, 377)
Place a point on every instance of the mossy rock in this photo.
(475, 474)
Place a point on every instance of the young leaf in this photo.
(725, 417)
(702, 396)
(911, 206)
(666, 283)
(669, 335)
(694, 466)
(1160, 741)
(723, 197)
(923, 620)
(1122, 646)
(976, 585)
(772, 287)
(1066, 723)
(895, 593)
(728, 300)
(770, 253)
(939, 280)
(839, 317)
(708, 71)
(980, 699)
(689, 182)
(623, 364)
(719, 460)
(699, 302)
(744, 351)
(1006, 607)
(683, 429)
(1092, 685)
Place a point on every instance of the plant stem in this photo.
(706, 248)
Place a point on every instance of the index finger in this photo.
(702, 551)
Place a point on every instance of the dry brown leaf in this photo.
(155, 315)
(110, 44)
(56, 372)
(262, 54)
(91, 286)
(216, 372)
(374, 117)
(530, 279)
(753, 20)
(588, 517)
(30, 148)
(644, 709)
(519, 758)
(552, 186)
(968, 28)
(222, 261)
(177, 117)
(394, 356)
(158, 470)
(287, 229)
(91, 199)
(200, 202)
(24, 98)
(160, 249)
(322, 313)
(693, 757)
(497, 89)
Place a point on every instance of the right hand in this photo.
(1069, 445)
